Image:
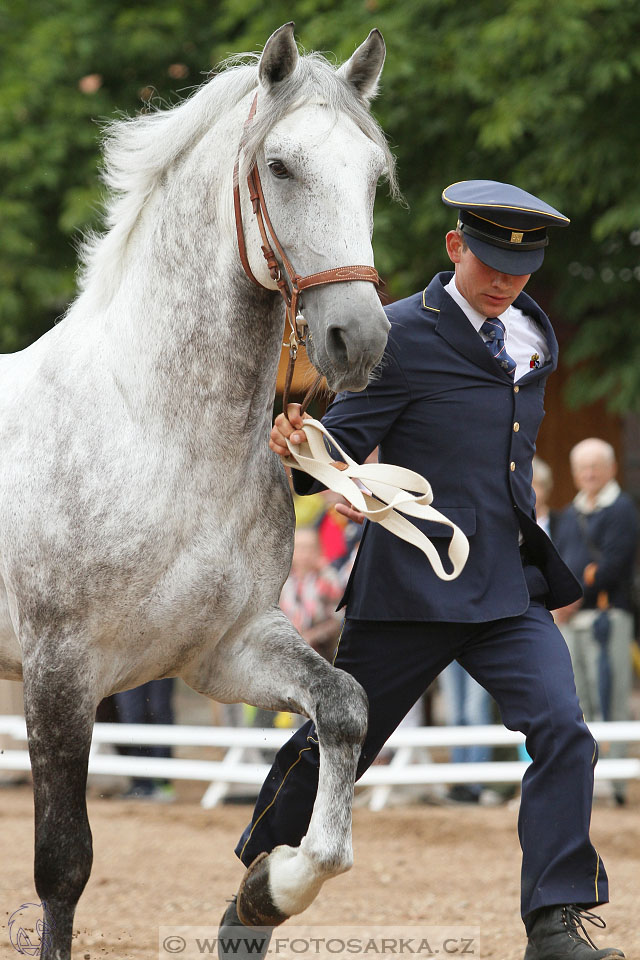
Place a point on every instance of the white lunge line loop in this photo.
(390, 486)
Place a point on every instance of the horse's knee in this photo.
(342, 709)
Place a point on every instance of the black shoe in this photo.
(558, 933)
(238, 941)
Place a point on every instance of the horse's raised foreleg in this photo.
(59, 710)
(270, 666)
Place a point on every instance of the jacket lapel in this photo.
(453, 326)
(531, 308)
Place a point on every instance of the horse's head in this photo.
(319, 154)
(319, 165)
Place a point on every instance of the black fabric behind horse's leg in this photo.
(59, 714)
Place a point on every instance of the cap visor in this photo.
(517, 263)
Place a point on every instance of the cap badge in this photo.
(516, 237)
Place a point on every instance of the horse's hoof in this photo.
(239, 941)
(254, 904)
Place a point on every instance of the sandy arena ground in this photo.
(165, 865)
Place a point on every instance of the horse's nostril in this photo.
(337, 346)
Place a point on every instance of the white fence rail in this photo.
(244, 762)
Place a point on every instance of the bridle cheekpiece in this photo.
(290, 284)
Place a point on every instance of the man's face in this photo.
(591, 471)
(485, 289)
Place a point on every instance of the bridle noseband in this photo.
(291, 285)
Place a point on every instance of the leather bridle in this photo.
(387, 496)
(290, 285)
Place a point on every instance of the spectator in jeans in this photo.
(466, 703)
(597, 536)
(148, 703)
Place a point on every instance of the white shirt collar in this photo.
(475, 319)
(608, 495)
(527, 344)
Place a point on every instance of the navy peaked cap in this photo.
(504, 226)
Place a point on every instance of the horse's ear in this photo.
(279, 57)
(363, 69)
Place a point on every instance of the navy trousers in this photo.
(524, 664)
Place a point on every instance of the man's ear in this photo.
(454, 244)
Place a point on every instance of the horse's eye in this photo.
(278, 169)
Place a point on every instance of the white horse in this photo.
(146, 528)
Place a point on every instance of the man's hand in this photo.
(287, 428)
(343, 506)
(291, 428)
(347, 510)
(589, 574)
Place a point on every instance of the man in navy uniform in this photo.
(459, 398)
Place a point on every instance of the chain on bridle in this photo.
(291, 285)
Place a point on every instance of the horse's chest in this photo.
(229, 558)
(141, 539)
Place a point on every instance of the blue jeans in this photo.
(148, 703)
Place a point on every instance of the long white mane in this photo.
(139, 150)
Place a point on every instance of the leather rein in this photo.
(291, 285)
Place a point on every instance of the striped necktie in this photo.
(493, 329)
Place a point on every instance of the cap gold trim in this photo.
(494, 223)
(501, 206)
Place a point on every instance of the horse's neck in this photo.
(186, 329)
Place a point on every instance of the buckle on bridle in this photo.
(293, 345)
(301, 328)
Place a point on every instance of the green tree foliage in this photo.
(542, 93)
(64, 68)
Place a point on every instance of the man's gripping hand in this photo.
(290, 427)
(285, 428)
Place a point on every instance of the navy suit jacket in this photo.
(443, 406)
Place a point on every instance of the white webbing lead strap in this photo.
(389, 486)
